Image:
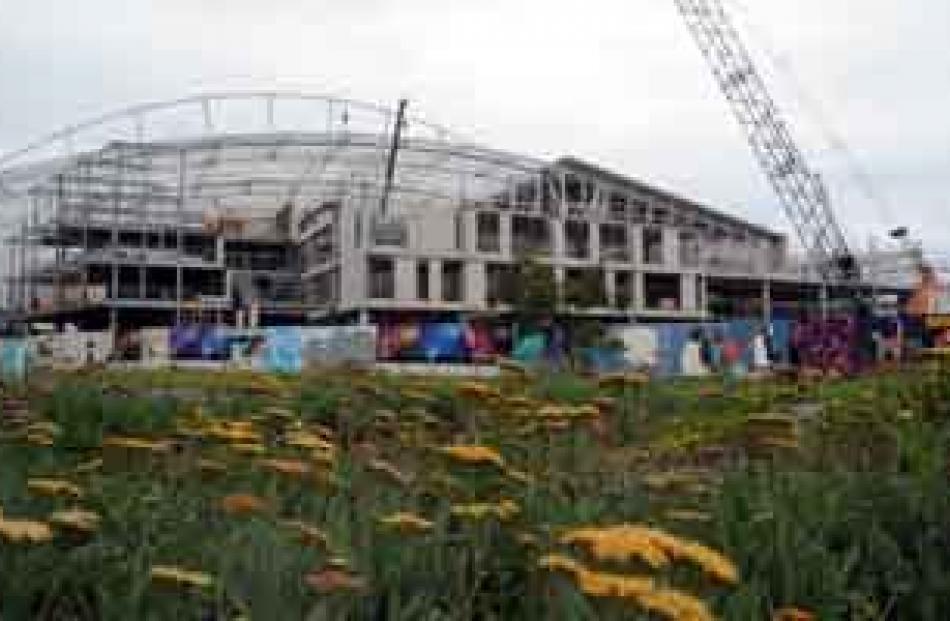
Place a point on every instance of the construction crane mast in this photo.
(800, 189)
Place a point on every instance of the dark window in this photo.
(422, 280)
(459, 231)
(489, 232)
(613, 242)
(380, 278)
(453, 281)
(530, 236)
(653, 246)
(689, 249)
(577, 239)
(623, 290)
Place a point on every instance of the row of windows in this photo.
(532, 235)
(381, 279)
(584, 287)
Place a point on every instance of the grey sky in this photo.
(618, 82)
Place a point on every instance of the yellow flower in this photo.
(504, 510)
(130, 443)
(519, 476)
(476, 390)
(792, 614)
(53, 487)
(407, 523)
(474, 455)
(235, 432)
(654, 547)
(675, 605)
(76, 519)
(306, 440)
(293, 468)
(39, 439)
(176, 576)
(27, 531)
(243, 504)
(323, 457)
(89, 466)
(640, 590)
(47, 428)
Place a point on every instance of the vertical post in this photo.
(178, 233)
(116, 198)
(59, 250)
(767, 302)
(393, 153)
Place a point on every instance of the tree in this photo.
(534, 291)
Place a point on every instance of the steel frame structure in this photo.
(801, 190)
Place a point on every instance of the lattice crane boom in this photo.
(800, 190)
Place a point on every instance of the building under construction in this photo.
(278, 208)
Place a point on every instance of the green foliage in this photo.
(853, 524)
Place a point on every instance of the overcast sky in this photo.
(618, 82)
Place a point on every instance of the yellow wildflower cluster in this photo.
(25, 531)
(234, 432)
(308, 440)
(135, 444)
(42, 433)
(654, 547)
(293, 468)
(792, 614)
(406, 523)
(477, 391)
(503, 510)
(243, 504)
(176, 576)
(78, 520)
(473, 455)
(773, 431)
(640, 590)
(53, 487)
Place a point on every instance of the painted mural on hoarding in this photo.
(442, 341)
(283, 350)
(199, 342)
(339, 345)
(14, 359)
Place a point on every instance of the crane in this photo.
(799, 188)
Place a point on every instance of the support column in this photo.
(610, 287)
(557, 238)
(435, 280)
(688, 292)
(594, 231)
(504, 235)
(767, 302)
(639, 291)
(703, 294)
(670, 246)
(559, 282)
(470, 231)
(405, 277)
(474, 281)
(179, 245)
(635, 243)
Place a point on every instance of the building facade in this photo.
(297, 226)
